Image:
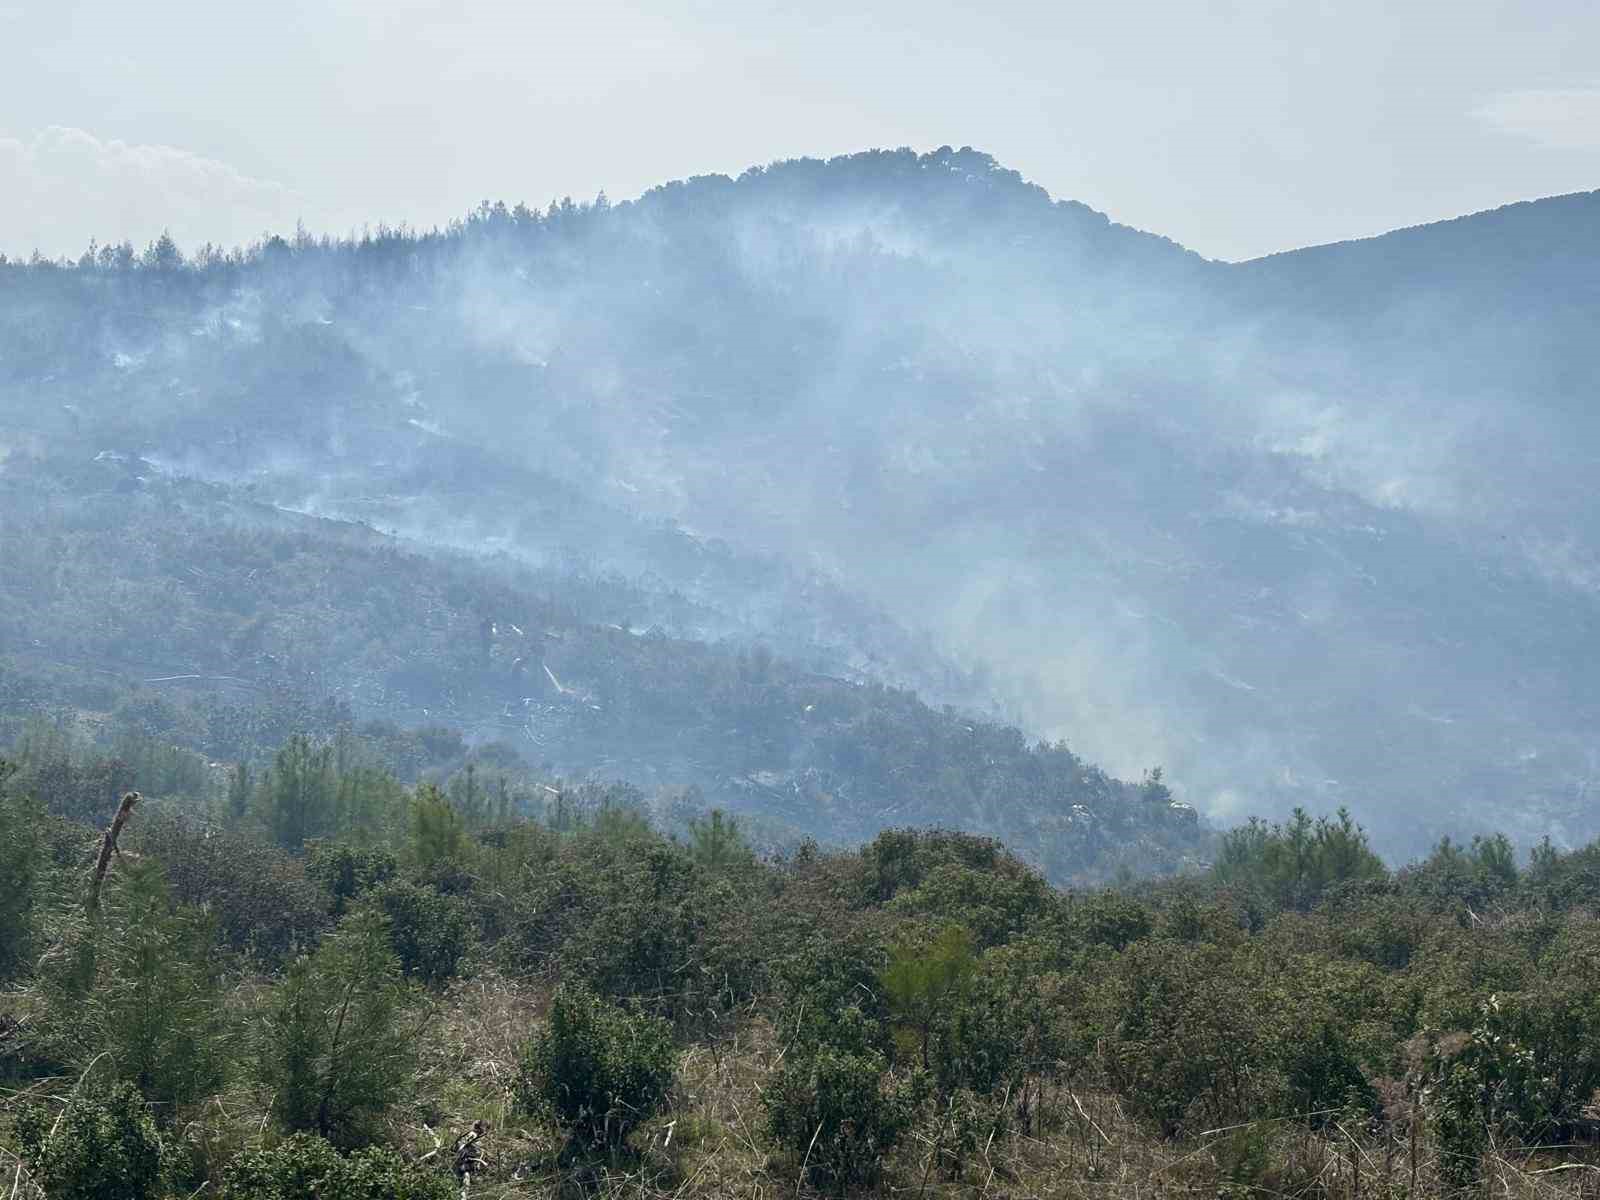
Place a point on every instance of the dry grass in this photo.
(708, 1144)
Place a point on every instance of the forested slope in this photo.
(181, 611)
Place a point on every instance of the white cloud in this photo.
(1560, 118)
(65, 185)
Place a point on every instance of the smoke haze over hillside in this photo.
(1314, 529)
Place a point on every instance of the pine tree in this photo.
(716, 841)
(156, 1002)
(335, 1048)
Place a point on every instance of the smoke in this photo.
(53, 188)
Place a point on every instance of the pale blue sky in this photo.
(1237, 127)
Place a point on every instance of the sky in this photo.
(1237, 127)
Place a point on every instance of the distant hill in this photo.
(1317, 529)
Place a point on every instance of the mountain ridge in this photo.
(1511, 209)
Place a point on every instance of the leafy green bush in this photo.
(993, 905)
(258, 895)
(1243, 1158)
(599, 1069)
(964, 1123)
(832, 994)
(105, 1148)
(1189, 1034)
(1107, 919)
(1003, 1028)
(627, 914)
(835, 1113)
(430, 932)
(1323, 1077)
(305, 1167)
(1530, 1063)
(1459, 1123)
(348, 871)
(899, 860)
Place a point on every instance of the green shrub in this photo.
(348, 871)
(1107, 919)
(835, 1113)
(1459, 1122)
(430, 932)
(258, 895)
(1243, 1157)
(832, 994)
(965, 1123)
(628, 915)
(999, 1029)
(1187, 1037)
(305, 1167)
(1324, 1080)
(1527, 1067)
(994, 906)
(105, 1147)
(599, 1069)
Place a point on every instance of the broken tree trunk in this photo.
(108, 847)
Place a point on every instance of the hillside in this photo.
(1315, 529)
(178, 611)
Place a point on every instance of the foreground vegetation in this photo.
(296, 990)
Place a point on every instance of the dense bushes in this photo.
(633, 915)
(896, 1013)
(430, 932)
(1188, 1029)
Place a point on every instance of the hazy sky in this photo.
(1237, 127)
